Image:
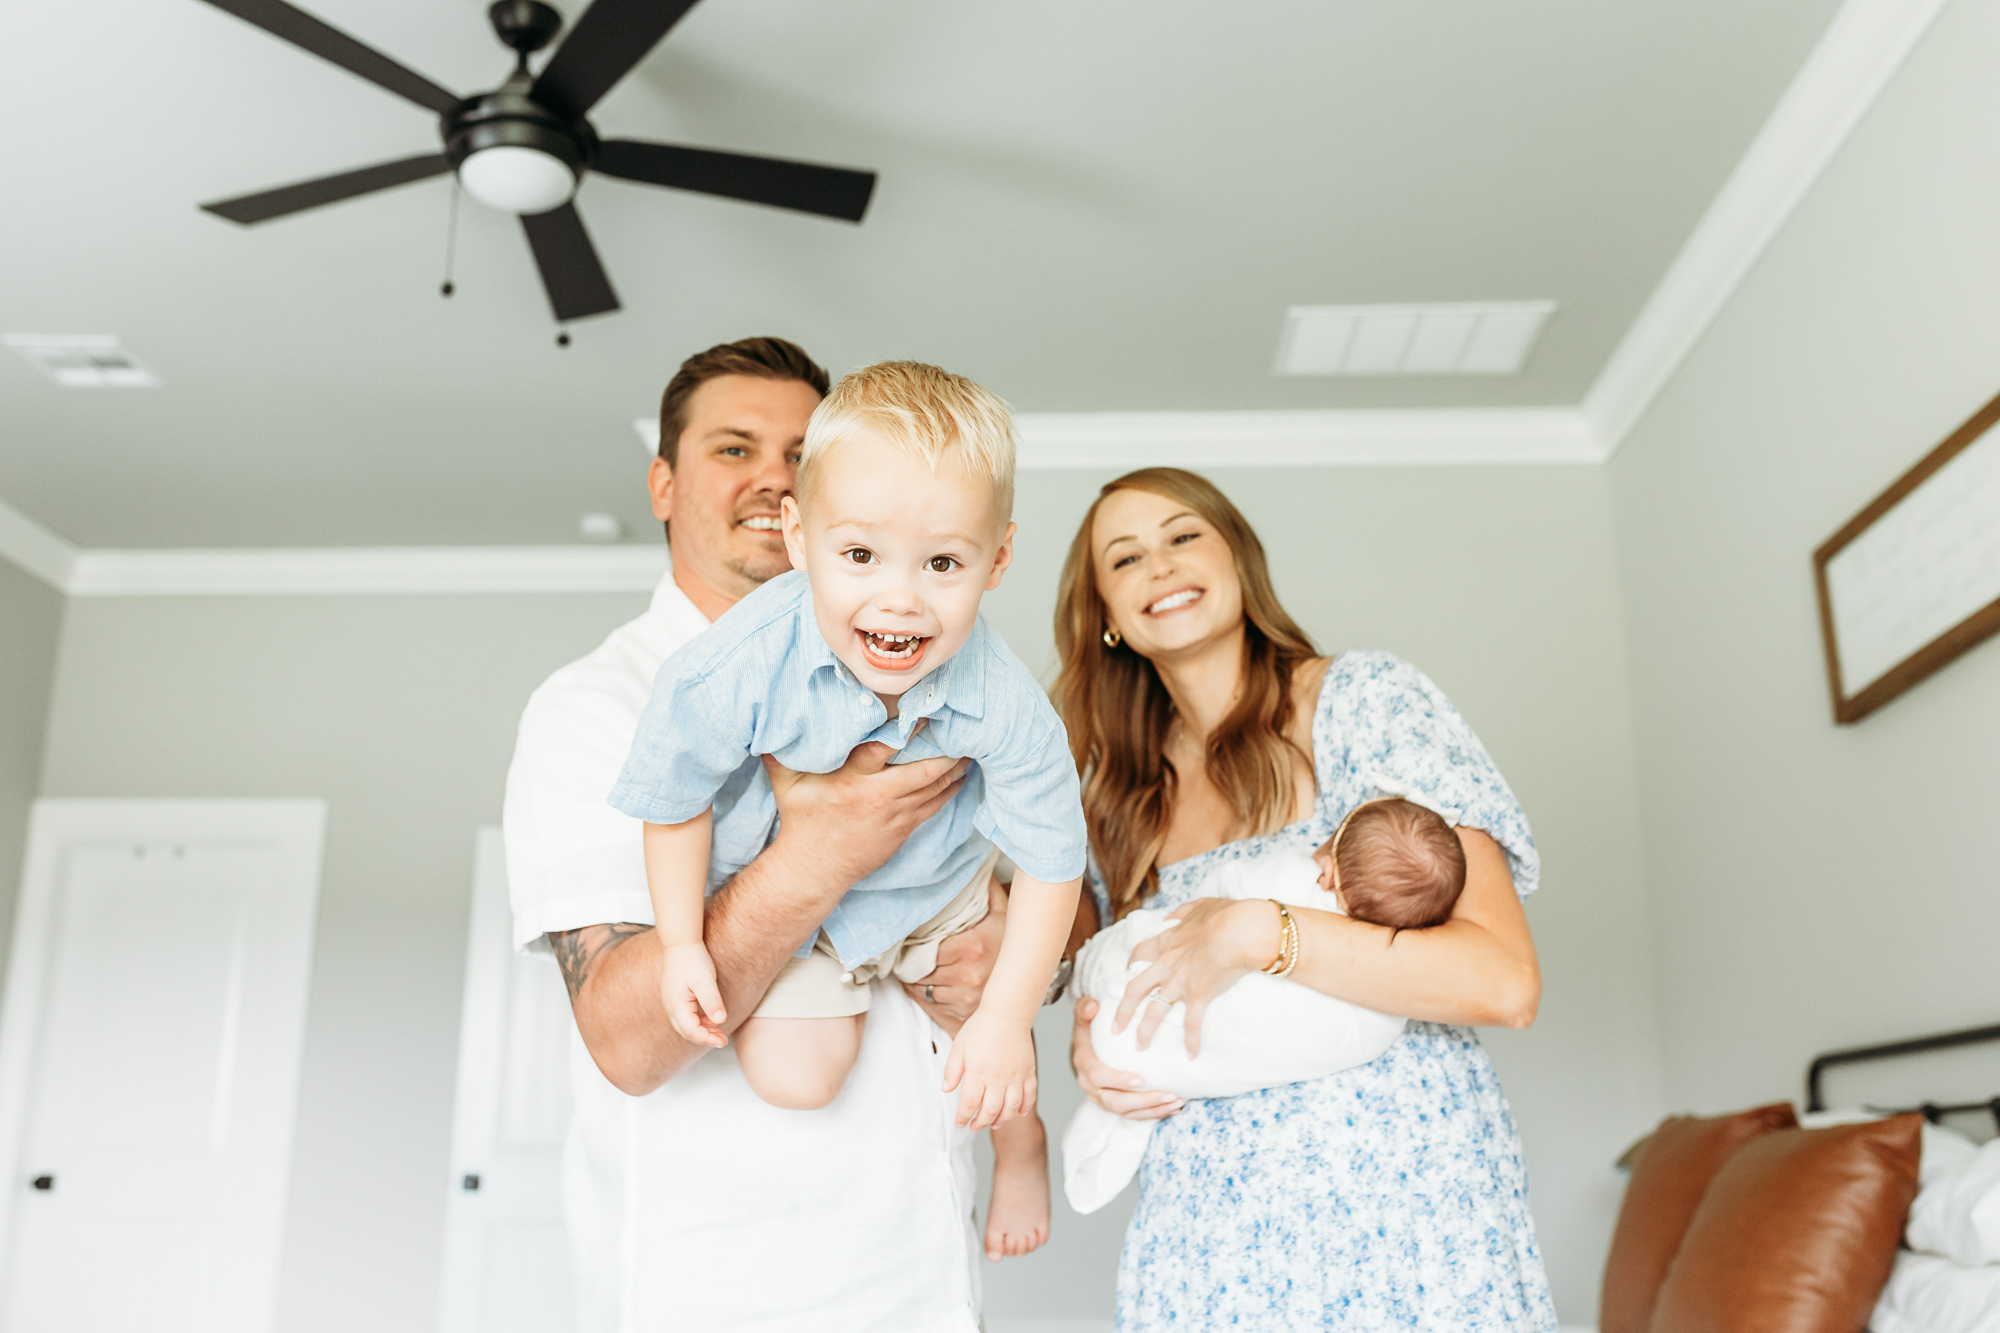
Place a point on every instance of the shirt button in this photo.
(847, 977)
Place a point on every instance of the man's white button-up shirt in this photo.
(699, 1207)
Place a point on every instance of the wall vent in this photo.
(1488, 338)
(83, 360)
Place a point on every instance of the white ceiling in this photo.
(1090, 206)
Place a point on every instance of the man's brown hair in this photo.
(760, 358)
(1398, 864)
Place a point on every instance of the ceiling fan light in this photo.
(516, 179)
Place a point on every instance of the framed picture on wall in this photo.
(1914, 579)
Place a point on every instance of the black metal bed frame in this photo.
(1932, 1111)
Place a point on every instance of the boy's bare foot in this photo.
(1017, 1220)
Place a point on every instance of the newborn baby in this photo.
(1394, 863)
(1391, 862)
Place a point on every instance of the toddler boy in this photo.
(899, 523)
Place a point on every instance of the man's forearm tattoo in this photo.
(578, 951)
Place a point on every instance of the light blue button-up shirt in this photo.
(762, 680)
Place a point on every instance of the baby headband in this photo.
(1390, 792)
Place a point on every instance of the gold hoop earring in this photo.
(1112, 638)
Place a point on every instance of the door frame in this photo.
(482, 1058)
(297, 828)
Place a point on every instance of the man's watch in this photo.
(1064, 970)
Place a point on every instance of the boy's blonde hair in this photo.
(931, 413)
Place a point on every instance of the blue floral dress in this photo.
(1390, 1196)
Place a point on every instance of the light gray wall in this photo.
(1813, 885)
(400, 712)
(30, 620)
(1498, 583)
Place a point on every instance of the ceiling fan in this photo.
(524, 147)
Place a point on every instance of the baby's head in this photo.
(901, 517)
(1394, 863)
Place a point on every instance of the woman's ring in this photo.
(1158, 998)
(930, 995)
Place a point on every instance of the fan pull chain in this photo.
(450, 241)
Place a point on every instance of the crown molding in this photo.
(1386, 438)
(367, 569)
(35, 549)
(1861, 50)
(1394, 437)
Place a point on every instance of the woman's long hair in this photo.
(1119, 714)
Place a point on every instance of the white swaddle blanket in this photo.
(1260, 1033)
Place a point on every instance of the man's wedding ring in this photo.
(930, 995)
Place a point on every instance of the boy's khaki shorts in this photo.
(818, 986)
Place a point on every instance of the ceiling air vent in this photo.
(83, 360)
(1492, 338)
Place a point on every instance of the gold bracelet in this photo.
(1288, 943)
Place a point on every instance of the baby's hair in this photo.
(1398, 864)
(933, 414)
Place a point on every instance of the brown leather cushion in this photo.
(1672, 1171)
(1796, 1233)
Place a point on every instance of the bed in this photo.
(1840, 1219)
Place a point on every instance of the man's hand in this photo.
(852, 820)
(833, 829)
(950, 992)
(953, 989)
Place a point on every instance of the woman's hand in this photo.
(1114, 1090)
(1214, 942)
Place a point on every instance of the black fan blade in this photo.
(330, 43)
(610, 38)
(268, 204)
(833, 192)
(570, 269)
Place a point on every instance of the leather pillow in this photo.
(1668, 1178)
(1796, 1233)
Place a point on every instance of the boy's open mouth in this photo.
(892, 652)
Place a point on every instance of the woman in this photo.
(1392, 1196)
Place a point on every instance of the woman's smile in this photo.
(1176, 600)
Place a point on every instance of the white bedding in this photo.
(1927, 1294)
(1957, 1214)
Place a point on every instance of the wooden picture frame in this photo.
(1904, 549)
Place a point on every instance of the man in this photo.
(667, 1157)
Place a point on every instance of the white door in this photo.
(149, 1062)
(507, 1267)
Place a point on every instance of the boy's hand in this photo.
(692, 999)
(992, 1065)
